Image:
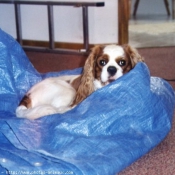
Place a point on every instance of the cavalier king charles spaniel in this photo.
(104, 64)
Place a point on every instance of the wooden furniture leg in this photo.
(165, 2)
(173, 9)
(135, 7)
(167, 7)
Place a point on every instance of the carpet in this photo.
(153, 28)
(159, 60)
(152, 34)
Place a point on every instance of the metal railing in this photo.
(50, 4)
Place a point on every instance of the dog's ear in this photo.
(86, 86)
(133, 55)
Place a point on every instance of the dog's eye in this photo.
(102, 62)
(122, 63)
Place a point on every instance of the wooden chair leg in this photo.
(173, 9)
(167, 7)
(135, 7)
(136, 4)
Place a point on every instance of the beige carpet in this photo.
(153, 28)
(152, 34)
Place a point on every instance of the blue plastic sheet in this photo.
(107, 132)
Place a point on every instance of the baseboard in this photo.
(60, 45)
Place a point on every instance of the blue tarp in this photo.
(108, 131)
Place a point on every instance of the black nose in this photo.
(112, 70)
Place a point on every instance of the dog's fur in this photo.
(59, 94)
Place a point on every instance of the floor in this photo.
(151, 31)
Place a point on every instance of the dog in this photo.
(105, 64)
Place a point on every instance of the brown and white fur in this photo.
(53, 95)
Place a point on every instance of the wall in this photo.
(103, 22)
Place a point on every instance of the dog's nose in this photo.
(112, 70)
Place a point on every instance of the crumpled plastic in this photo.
(108, 131)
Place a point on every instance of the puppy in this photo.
(104, 65)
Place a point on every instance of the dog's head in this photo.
(106, 64)
(112, 61)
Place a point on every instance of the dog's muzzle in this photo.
(112, 70)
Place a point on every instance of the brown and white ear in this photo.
(87, 78)
(133, 54)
